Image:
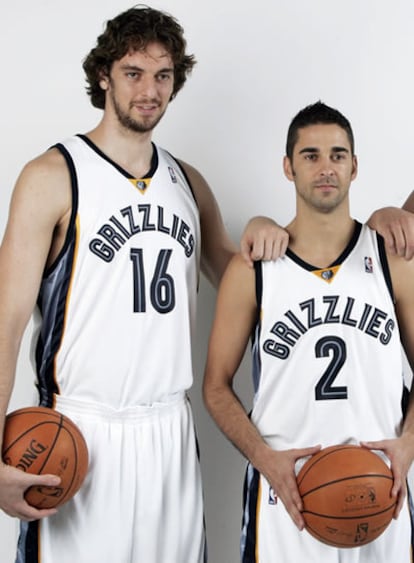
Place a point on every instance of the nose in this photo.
(148, 86)
(326, 167)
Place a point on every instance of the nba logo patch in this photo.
(272, 496)
(368, 264)
(172, 174)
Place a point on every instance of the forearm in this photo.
(215, 261)
(8, 361)
(230, 416)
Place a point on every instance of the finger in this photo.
(279, 247)
(304, 452)
(390, 242)
(30, 513)
(378, 445)
(294, 507)
(257, 249)
(400, 242)
(271, 251)
(297, 519)
(43, 480)
(409, 251)
(284, 244)
(409, 242)
(400, 504)
(245, 249)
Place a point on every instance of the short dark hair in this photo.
(312, 115)
(135, 29)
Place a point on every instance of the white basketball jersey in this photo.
(328, 363)
(327, 370)
(118, 306)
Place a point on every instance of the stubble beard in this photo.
(132, 124)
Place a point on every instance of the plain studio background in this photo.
(258, 64)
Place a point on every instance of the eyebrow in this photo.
(315, 150)
(139, 69)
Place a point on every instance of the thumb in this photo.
(245, 250)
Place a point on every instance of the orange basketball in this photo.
(43, 441)
(346, 494)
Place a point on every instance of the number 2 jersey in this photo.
(327, 355)
(117, 308)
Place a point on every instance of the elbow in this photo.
(206, 392)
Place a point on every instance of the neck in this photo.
(320, 239)
(129, 149)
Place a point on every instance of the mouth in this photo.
(325, 185)
(145, 109)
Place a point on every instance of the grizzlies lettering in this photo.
(134, 220)
(332, 309)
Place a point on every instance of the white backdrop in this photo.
(258, 64)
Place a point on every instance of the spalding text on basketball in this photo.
(30, 455)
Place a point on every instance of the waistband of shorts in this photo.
(70, 405)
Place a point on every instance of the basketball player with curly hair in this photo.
(118, 229)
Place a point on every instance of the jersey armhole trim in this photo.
(384, 263)
(72, 222)
(185, 176)
(259, 284)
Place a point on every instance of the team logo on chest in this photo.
(327, 274)
(141, 184)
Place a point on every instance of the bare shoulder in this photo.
(45, 182)
(239, 277)
(49, 167)
(239, 265)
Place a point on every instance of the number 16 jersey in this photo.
(117, 307)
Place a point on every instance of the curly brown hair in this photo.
(135, 29)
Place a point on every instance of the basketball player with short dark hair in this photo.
(327, 321)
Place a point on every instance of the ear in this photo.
(103, 79)
(354, 167)
(103, 84)
(288, 169)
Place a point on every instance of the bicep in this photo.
(234, 320)
(35, 211)
(402, 273)
(216, 246)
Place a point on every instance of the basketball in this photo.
(346, 494)
(43, 441)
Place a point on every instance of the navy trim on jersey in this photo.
(51, 300)
(384, 264)
(411, 508)
(250, 502)
(255, 335)
(149, 174)
(181, 167)
(74, 211)
(349, 248)
(28, 544)
(259, 283)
